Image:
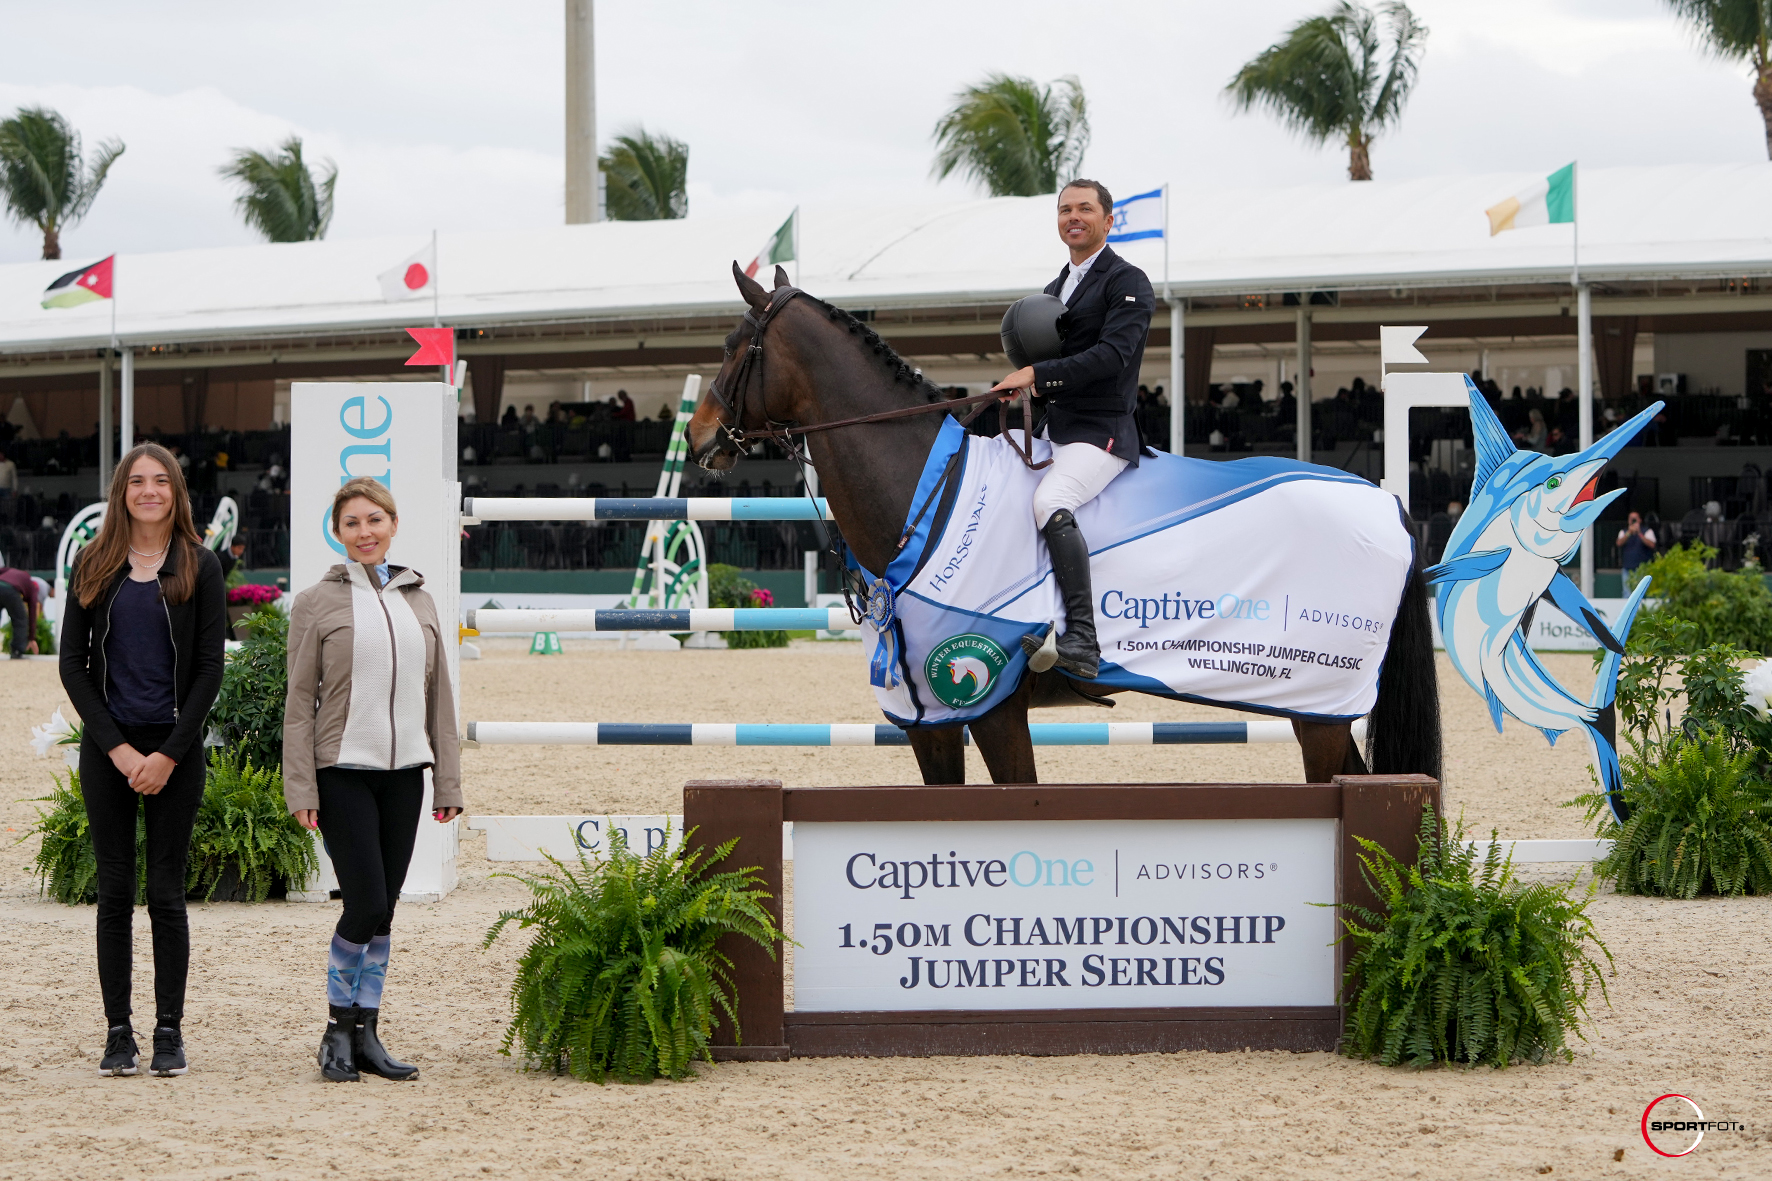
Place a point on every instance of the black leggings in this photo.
(111, 810)
(13, 603)
(369, 820)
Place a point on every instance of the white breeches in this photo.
(1077, 476)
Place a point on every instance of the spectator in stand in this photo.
(510, 417)
(235, 556)
(1158, 397)
(8, 475)
(529, 420)
(556, 416)
(18, 598)
(1288, 403)
(1636, 545)
(624, 409)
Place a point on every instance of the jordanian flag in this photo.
(779, 248)
(82, 286)
(1550, 201)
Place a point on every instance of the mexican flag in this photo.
(779, 248)
(1550, 201)
(81, 286)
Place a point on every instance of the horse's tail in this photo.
(1403, 733)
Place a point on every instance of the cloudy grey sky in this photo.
(447, 114)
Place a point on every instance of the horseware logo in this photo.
(961, 669)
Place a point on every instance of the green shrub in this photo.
(65, 867)
(244, 828)
(623, 977)
(248, 711)
(728, 588)
(45, 636)
(1466, 964)
(1725, 608)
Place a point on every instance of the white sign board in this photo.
(1063, 914)
(403, 434)
(1552, 631)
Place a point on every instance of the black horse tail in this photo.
(1403, 733)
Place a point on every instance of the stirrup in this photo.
(1042, 653)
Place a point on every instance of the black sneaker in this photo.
(169, 1053)
(121, 1054)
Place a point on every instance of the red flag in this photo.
(436, 346)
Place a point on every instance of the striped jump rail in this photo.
(798, 734)
(710, 619)
(649, 508)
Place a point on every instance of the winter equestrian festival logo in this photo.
(961, 670)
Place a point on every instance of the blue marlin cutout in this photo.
(1525, 519)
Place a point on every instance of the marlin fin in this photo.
(1606, 679)
(1571, 602)
(1611, 775)
(1493, 445)
(1468, 567)
(1494, 705)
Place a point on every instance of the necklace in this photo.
(140, 554)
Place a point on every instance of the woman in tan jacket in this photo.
(369, 708)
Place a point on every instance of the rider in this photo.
(1090, 394)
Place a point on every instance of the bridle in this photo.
(751, 365)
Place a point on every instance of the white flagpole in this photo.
(437, 300)
(1584, 367)
(796, 246)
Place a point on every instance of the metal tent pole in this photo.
(1177, 379)
(1584, 386)
(1301, 381)
(126, 406)
(104, 426)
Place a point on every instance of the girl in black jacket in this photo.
(142, 648)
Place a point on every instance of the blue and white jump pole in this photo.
(826, 734)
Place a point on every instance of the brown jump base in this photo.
(1047, 1032)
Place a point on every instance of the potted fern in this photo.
(1466, 964)
(623, 976)
(1700, 792)
(246, 846)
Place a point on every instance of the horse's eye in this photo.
(1554, 483)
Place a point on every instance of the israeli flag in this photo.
(1138, 217)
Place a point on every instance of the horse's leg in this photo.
(1002, 738)
(941, 755)
(1329, 750)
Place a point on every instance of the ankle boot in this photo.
(372, 1056)
(338, 1053)
(1077, 652)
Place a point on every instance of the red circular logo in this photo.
(1699, 1139)
(416, 276)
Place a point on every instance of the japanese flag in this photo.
(416, 276)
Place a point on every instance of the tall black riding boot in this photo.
(1077, 652)
(338, 1049)
(372, 1056)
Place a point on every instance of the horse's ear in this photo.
(749, 288)
(781, 276)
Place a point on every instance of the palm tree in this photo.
(646, 177)
(1016, 137)
(43, 179)
(1738, 30)
(1327, 81)
(279, 195)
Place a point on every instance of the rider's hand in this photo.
(1021, 379)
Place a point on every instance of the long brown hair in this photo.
(108, 553)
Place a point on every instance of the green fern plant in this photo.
(623, 977)
(66, 867)
(248, 711)
(243, 825)
(1466, 964)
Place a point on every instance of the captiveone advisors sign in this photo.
(1063, 915)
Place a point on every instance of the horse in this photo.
(821, 367)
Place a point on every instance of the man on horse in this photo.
(1090, 395)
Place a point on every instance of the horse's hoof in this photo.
(1043, 652)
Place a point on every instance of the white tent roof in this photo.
(1640, 223)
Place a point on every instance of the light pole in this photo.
(581, 114)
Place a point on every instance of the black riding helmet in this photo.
(1033, 329)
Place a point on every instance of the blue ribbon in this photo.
(881, 615)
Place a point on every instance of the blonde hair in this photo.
(370, 489)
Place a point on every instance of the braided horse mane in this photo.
(901, 370)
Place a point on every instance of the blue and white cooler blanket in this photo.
(1261, 584)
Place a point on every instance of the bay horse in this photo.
(823, 366)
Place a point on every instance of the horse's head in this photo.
(746, 394)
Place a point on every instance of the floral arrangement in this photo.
(762, 597)
(253, 595)
(57, 731)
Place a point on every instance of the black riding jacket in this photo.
(1091, 391)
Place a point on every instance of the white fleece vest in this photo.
(385, 729)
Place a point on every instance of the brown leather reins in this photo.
(782, 433)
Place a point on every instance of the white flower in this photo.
(50, 733)
(1758, 684)
(72, 755)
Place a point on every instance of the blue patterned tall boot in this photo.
(344, 968)
(371, 1056)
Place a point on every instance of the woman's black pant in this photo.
(111, 810)
(369, 820)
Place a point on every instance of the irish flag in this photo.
(779, 248)
(1550, 201)
(81, 286)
